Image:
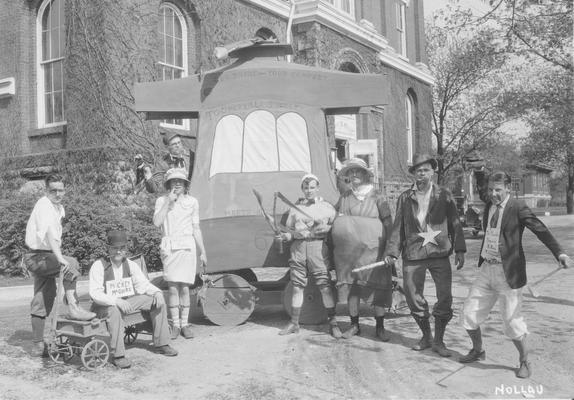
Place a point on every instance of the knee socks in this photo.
(174, 315)
(184, 315)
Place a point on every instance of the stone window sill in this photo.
(49, 131)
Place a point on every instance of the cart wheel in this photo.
(60, 352)
(130, 334)
(95, 354)
(229, 300)
(312, 311)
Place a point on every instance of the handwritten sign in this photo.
(120, 287)
(490, 250)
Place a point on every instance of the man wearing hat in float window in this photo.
(502, 267)
(309, 252)
(177, 214)
(117, 287)
(425, 232)
(177, 157)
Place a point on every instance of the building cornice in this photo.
(420, 71)
(278, 7)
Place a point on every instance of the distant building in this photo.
(68, 67)
(532, 187)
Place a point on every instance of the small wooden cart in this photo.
(81, 338)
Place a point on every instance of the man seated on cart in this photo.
(118, 287)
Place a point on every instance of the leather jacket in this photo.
(441, 216)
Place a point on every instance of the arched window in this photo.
(260, 143)
(51, 46)
(410, 125)
(226, 156)
(293, 143)
(172, 63)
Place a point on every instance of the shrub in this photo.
(88, 218)
(15, 213)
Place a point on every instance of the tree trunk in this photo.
(570, 187)
(440, 151)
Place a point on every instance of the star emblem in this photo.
(429, 236)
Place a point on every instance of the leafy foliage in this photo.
(88, 219)
(467, 97)
(99, 197)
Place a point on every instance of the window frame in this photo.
(409, 126)
(164, 64)
(401, 26)
(41, 65)
(338, 4)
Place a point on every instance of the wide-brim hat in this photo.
(175, 173)
(355, 163)
(117, 238)
(422, 158)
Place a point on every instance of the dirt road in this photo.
(252, 362)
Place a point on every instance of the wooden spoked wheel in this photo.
(95, 354)
(61, 350)
(130, 334)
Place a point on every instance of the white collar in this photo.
(362, 191)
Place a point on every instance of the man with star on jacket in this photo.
(426, 231)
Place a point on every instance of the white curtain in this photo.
(293, 143)
(260, 143)
(227, 146)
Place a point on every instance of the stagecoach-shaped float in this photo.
(261, 125)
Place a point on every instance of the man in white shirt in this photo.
(119, 287)
(45, 261)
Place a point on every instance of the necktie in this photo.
(494, 219)
(178, 161)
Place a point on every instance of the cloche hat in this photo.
(175, 173)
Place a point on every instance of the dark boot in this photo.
(380, 331)
(476, 353)
(355, 329)
(426, 340)
(438, 345)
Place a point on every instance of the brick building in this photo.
(68, 67)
